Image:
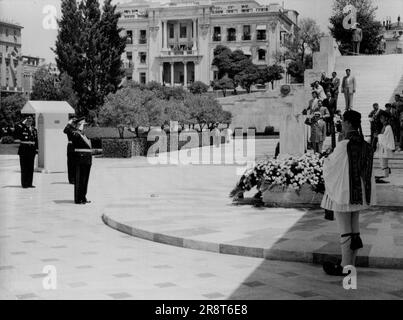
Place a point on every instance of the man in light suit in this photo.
(348, 87)
(357, 38)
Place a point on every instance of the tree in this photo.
(247, 77)
(49, 86)
(300, 48)
(366, 17)
(223, 84)
(198, 87)
(45, 85)
(10, 111)
(222, 60)
(88, 49)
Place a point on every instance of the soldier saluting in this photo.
(28, 136)
(71, 167)
(82, 159)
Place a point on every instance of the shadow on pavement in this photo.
(63, 201)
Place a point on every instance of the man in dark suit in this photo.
(82, 159)
(330, 104)
(335, 87)
(27, 151)
(376, 125)
(71, 167)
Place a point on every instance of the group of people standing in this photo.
(79, 155)
(323, 117)
(387, 131)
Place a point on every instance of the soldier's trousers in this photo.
(71, 167)
(81, 182)
(27, 169)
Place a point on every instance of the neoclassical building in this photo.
(173, 43)
(10, 58)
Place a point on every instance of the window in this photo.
(261, 53)
(231, 34)
(142, 77)
(215, 75)
(129, 35)
(143, 37)
(217, 34)
(129, 56)
(261, 35)
(171, 31)
(143, 57)
(183, 31)
(246, 33)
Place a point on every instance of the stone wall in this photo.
(261, 109)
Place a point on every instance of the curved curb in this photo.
(317, 257)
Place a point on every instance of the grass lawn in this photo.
(9, 149)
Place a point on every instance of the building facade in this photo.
(392, 36)
(173, 43)
(10, 58)
(29, 66)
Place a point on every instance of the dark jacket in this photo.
(29, 139)
(68, 131)
(331, 105)
(80, 142)
(376, 125)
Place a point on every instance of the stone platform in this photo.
(188, 206)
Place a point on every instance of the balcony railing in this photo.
(217, 37)
(167, 53)
(129, 41)
(142, 40)
(246, 37)
(261, 37)
(231, 38)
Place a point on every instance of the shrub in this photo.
(7, 140)
(124, 148)
(198, 87)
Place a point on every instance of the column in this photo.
(164, 33)
(172, 74)
(185, 73)
(194, 34)
(161, 72)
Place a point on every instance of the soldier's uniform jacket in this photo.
(68, 131)
(81, 144)
(29, 139)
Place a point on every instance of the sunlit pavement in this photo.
(41, 227)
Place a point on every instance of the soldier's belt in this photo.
(82, 150)
(28, 142)
(69, 142)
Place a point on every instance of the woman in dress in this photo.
(386, 142)
(349, 188)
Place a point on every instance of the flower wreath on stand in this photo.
(287, 173)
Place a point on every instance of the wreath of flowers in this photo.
(288, 173)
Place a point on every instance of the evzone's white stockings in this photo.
(384, 162)
(348, 224)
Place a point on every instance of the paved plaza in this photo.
(42, 226)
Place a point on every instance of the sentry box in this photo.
(50, 118)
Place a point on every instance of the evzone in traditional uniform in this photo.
(349, 188)
(82, 159)
(28, 137)
(71, 167)
(386, 143)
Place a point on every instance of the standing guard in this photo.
(28, 136)
(71, 167)
(82, 159)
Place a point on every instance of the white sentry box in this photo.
(50, 117)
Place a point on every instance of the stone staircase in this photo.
(378, 78)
